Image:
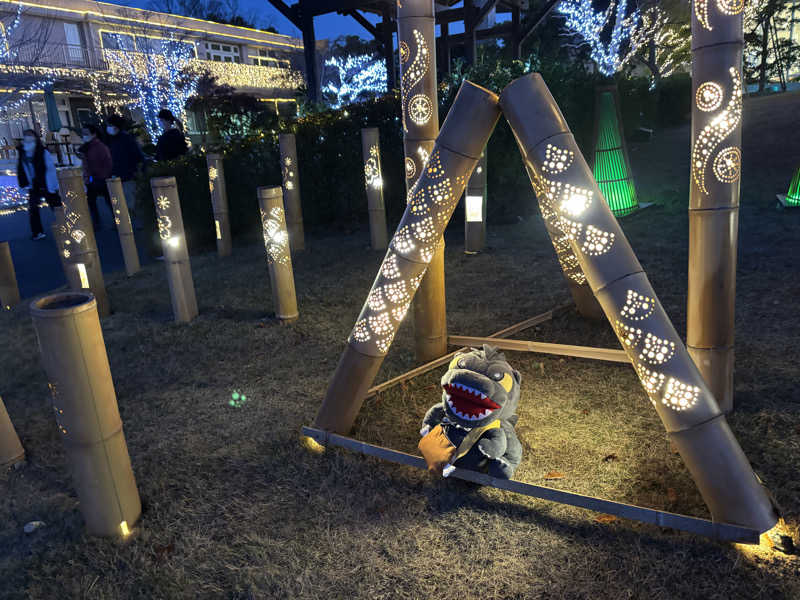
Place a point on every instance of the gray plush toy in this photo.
(480, 392)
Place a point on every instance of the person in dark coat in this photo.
(172, 143)
(96, 162)
(126, 156)
(36, 173)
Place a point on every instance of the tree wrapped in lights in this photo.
(669, 47)
(353, 79)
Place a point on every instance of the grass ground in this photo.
(233, 508)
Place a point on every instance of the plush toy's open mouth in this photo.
(469, 403)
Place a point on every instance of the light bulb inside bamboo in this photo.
(11, 450)
(373, 182)
(122, 218)
(9, 289)
(475, 209)
(219, 202)
(279, 257)
(291, 191)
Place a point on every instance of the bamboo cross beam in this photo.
(720, 531)
(608, 354)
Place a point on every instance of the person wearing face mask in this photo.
(96, 162)
(172, 143)
(126, 157)
(36, 173)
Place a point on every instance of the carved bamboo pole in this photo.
(11, 450)
(373, 181)
(276, 242)
(455, 153)
(717, 39)
(475, 209)
(119, 204)
(219, 202)
(9, 290)
(678, 392)
(291, 191)
(416, 37)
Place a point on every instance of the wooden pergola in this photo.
(473, 13)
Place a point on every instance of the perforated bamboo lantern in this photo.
(680, 396)
(219, 202)
(475, 209)
(64, 245)
(716, 157)
(291, 191)
(373, 182)
(85, 406)
(457, 149)
(416, 35)
(9, 290)
(11, 450)
(122, 218)
(173, 243)
(79, 249)
(279, 258)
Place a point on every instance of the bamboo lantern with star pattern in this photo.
(122, 218)
(291, 191)
(219, 202)
(373, 182)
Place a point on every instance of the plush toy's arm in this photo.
(506, 464)
(493, 443)
(433, 417)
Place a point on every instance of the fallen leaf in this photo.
(554, 475)
(672, 494)
(605, 518)
(610, 458)
(585, 411)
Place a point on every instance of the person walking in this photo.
(96, 159)
(36, 173)
(172, 143)
(126, 156)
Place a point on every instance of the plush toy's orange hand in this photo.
(437, 450)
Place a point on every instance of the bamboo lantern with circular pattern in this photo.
(279, 257)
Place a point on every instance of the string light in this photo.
(359, 77)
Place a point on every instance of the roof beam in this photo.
(373, 31)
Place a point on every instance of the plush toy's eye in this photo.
(462, 363)
(497, 376)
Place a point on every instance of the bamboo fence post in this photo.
(11, 450)
(475, 209)
(9, 290)
(173, 243)
(291, 191)
(85, 406)
(279, 258)
(219, 202)
(130, 255)
(373, 182)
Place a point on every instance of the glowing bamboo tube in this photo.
(416, 35)
(717, 40)
(464, 134)
(11, 450)
(373, 181)
(219, 202)
(80, 244)
(64, 245)
(124, 228)
(291, 191)
(279, 258)
(85, 406)
(173, 243)
(9, 290)
(681, 398)
(475, 209)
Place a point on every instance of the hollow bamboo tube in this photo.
(279, 258)
(173, 243)
(85, 406)
(219, 202)
(678, 392)
(373, 182)
(9, 290)
(465, 132)
(291, 191)
(717, 41)
(416, 37)
(11, 450)
(80, 244)
(475, 209)
(130, 255)
(64, 245)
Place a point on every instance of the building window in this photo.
(223, 53)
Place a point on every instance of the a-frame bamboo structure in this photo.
(564, 185)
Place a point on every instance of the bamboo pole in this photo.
(130, 255)
(279, 258)
(416, 37)
(678, 392)
(469, 124)
(373, 182)
(81, 245)
(9, 290)
(85, 406)
(475, 209)
(11, 450)
(291, 191)
(219, 202)
(173, 243)
(64, 245)
(717, 40)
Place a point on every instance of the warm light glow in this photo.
(83, 276)
(174, 241)
(474, 209)
(419, 107)
(123, 527)
(219, 233)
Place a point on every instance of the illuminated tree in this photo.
(353, 79)
(668, 48)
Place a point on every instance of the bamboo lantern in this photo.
(416, 35)
(122, 218)
(219, 202)
(9, 290)
(680, 396)
(80, 246)
(717, 39)
(373, 181)
(279, 258)
(475, 209)
(291, 191)
(173, 243)
(85, 406)
(64, 245)
(11, 450)
(464, 134)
